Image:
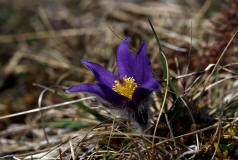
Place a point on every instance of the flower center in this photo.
(125, 86)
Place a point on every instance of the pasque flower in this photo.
(130, 90)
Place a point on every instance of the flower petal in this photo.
(140, 94)
(111, 96)
(142, 66)
(101, 90)
(125, 59)
(86, 87)
(142, 51)
(144, 90)
(102, 74)
(151, 84)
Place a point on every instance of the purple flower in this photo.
(131, 89)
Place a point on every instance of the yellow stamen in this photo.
(125, 86)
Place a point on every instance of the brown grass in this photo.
(42, 43)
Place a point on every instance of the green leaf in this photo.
(164, 64)
(74, 124)
(223, 147)
(236, 152)
(231, 147)
(162, 56)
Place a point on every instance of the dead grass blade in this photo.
(46, 107)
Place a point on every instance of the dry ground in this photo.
(42, 43)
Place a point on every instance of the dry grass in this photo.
(42, 43)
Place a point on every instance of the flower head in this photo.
(131, 88)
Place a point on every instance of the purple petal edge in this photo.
(144, 90)
(142, 66)
(111, 96)
(125, 59)
(102, 74)
(86, 87)
(151, 84)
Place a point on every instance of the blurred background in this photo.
(43, 42)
